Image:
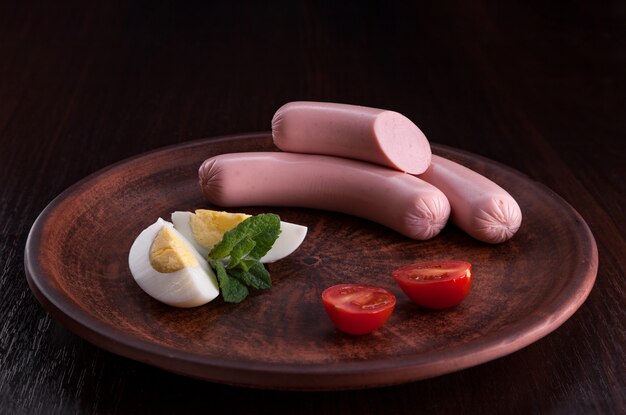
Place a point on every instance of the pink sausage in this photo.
(480, 207)
(397, 200)
(369, 134)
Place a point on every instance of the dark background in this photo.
(537, 85)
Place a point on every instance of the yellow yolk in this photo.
(208, 226)
(169, 253)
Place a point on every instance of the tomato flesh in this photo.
(358, 309)
(435, 284)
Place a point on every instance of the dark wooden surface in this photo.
(539, 86)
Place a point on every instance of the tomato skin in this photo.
(341, 303)
(440, 292)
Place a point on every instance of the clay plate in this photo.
(76, 264)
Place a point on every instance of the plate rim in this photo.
(479, 351)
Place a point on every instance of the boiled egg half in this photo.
(205, 228)
(168, 268)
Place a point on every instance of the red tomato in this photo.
(435, 284)
(358, 309)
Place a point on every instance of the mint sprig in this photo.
(232, 289)
(235, 258)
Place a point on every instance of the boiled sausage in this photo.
(397, 200)
(369, 134)
(480, 207)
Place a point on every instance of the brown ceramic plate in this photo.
(76, 264)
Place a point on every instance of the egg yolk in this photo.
(208, 226)
(169, 253)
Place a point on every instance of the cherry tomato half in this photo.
(358, 309)
(435, 284)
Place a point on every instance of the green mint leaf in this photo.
(240, 250)
(263, 229)
(256, 276)
(266, 229)
(261, 274)
(232, 289)
(245, 264)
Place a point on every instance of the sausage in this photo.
(480, 207)
(369, 134)
(397, 200)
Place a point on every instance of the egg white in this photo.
(181, 224)
(290, 238)
(187, 287)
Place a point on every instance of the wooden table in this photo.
(539, 87)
